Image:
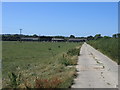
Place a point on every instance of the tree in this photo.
(114, 35)
(107, 37)
(35, 35)
(72, 36)
(59, 36)
(90, 38)
(97, 36)
(118, 35)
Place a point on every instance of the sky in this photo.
(60, 18)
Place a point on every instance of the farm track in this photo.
(95, 70)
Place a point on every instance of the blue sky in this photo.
(64, 18)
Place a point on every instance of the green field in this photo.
(39, 64)
(108, 46)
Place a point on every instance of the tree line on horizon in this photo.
(17, 37)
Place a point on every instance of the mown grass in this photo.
(39, 64)
(108, 46)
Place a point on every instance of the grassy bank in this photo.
(39, 64)
(108, 46)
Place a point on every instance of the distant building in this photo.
(29, 39)
(58, 40)
(76, 40)
(45, 39)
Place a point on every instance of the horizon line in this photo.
(56, 35)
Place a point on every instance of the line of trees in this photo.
(98, 36)
(17, 37)
(116, 35)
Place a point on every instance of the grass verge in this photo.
(108, 46)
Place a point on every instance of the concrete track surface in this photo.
(95, 70)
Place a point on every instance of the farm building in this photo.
(76, 40)
(29, 39)
(58, 40)
(45, 39)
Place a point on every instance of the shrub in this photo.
(73, 52)
(68, 60)
(65, 61)
(47, 83)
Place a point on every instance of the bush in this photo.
(70, 58)
(47, 83)
(73, 52)
(65, 61)
(68, 61)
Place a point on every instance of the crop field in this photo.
(108, 46)
(39, 64)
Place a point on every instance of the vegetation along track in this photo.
(108, 46)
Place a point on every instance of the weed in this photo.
(108, 83)
(58, 46)
(47, 83)
(15, 80)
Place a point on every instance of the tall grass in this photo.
(39, 64)
(108, 46)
